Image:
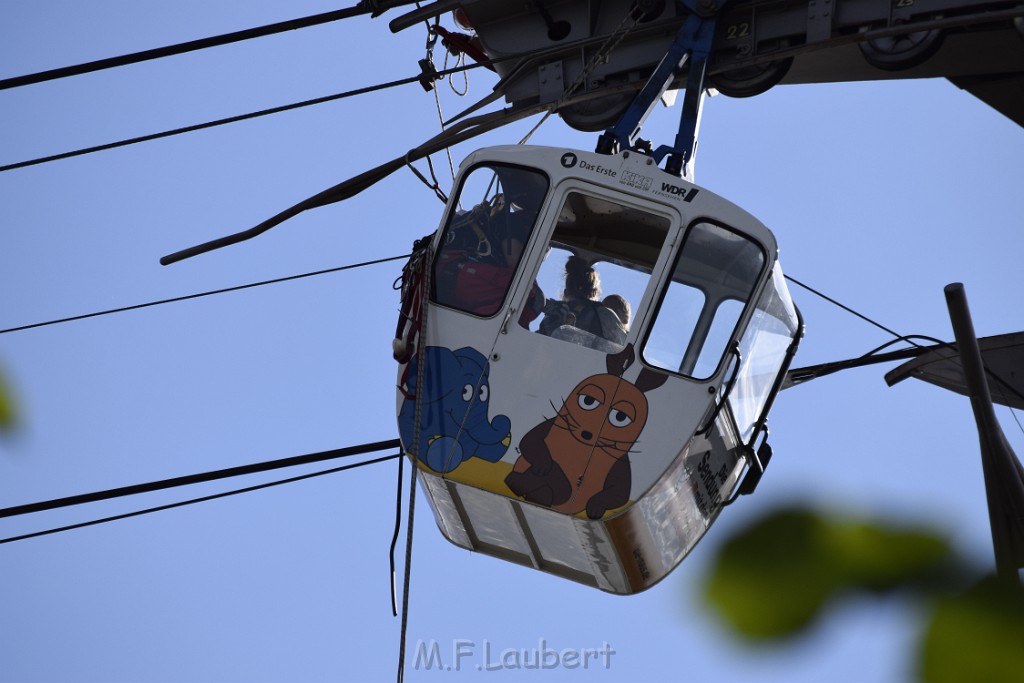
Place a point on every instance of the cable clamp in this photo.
(428, 74)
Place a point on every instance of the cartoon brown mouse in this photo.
(579, 459)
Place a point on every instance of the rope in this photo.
(437, 102)
(394, 537)
(425, 264)
(407, 573)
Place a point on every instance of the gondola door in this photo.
(593, 426)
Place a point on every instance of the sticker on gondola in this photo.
(685, 193)
(636, 180)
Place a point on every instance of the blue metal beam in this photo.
(691, 47)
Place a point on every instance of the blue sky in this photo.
(879, 194)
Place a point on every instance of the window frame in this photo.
(741, 321)
(450, 214)
(534, 258)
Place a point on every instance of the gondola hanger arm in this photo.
(691, 48)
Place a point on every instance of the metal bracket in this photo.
(551, 84)
(428, 74)
(758, 462)
(819, 20)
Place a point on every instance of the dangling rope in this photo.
(394, 537)
(403, 348)
(408, 563)
(460, 61)
(419, 271)
(412, 286)
(430, 75)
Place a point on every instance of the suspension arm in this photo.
(691, 48)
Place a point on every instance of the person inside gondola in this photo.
(620, 307)
(580, 307)
(475, 266)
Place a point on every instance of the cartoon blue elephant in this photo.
(453, 411)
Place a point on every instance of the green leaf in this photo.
(883, 558)
(976, 636)
(773, 579)
(7, 414)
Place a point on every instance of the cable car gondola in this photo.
(593, 438)
(552, 432)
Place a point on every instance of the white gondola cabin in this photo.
(553, 425)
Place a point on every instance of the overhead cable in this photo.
(190, 46)
(219, 122)
(202, 499)
(458, 133)
(850, 310)
(201, 294)
(201, 477)
(266, 112)
(799, 375)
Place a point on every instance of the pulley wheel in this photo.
(753, 80)
(896, 53)
(597, 114)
